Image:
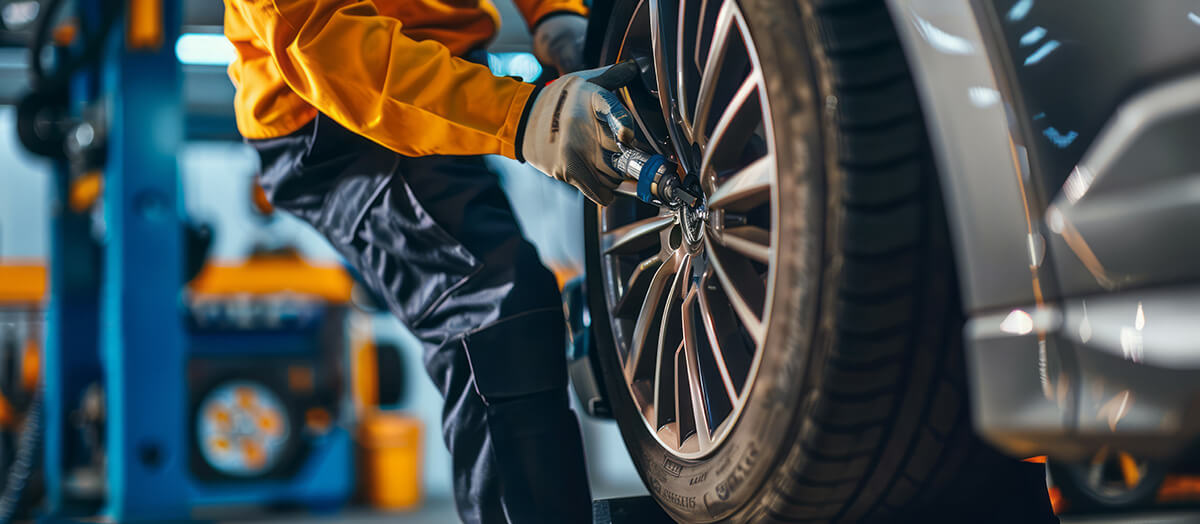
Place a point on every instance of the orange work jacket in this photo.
(387, 70)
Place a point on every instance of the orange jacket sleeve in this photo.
(412, 97)
(534, 10)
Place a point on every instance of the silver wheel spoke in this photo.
(736, 286)
(679, 394)
(663, 14)
(752, 241)
(751, 182)
(666, 384)
(680, 83)
(705, 5)
(723, 130)
(714, 343)
(699, 404)
(710, 73)
(636, 236)
(662, 68)
(633, 293)
(646, 316)
(741, 97)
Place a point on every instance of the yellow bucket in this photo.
(390, 460)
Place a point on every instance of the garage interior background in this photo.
(215, 172)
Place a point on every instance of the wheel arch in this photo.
(979, 149)
(995, 217)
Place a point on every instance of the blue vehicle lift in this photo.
(142, 343)
(126, 329)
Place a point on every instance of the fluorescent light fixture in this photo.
(523, 65)
(17, 15)
(204, 49)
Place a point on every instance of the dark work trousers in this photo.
(437, 239)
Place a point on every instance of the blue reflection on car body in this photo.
(1059, 139)
(1033, 36)
(1019, 11)
(1042, 52)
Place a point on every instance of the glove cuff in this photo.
(519, 140)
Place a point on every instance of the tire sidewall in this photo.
(728, 482)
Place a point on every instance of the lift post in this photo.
(71, 348)
(142, 342)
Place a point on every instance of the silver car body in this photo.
(1080, 283)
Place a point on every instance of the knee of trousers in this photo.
(544, 413)
(519, 356)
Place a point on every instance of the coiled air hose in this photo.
(24, 461)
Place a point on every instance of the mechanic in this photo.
(370, 119)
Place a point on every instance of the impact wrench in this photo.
(657, 181)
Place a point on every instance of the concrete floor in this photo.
(437, 511)
(611, 475)
(442, 512)
(1178, 517)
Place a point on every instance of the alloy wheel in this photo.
(689, 289)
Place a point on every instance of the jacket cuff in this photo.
(552, 8)
(513, 131)
(519, 141)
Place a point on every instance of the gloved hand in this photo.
(573, 126)
(558, 41)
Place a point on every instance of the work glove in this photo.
(573, 126)
(558, 41)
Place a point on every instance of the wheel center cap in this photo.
(692, 222)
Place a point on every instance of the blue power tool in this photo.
(658, 181)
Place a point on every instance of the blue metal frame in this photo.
(71, 349)
(143, 342)
(71, 337)
(124, 325)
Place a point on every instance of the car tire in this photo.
(858, 410)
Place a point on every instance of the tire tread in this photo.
(896, 275)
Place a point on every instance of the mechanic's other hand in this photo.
(558, 41)
(572, 131)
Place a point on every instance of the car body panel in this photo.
(1074, 62)
(1096, 104)
(981, 155)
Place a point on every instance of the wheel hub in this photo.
(692, 220)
